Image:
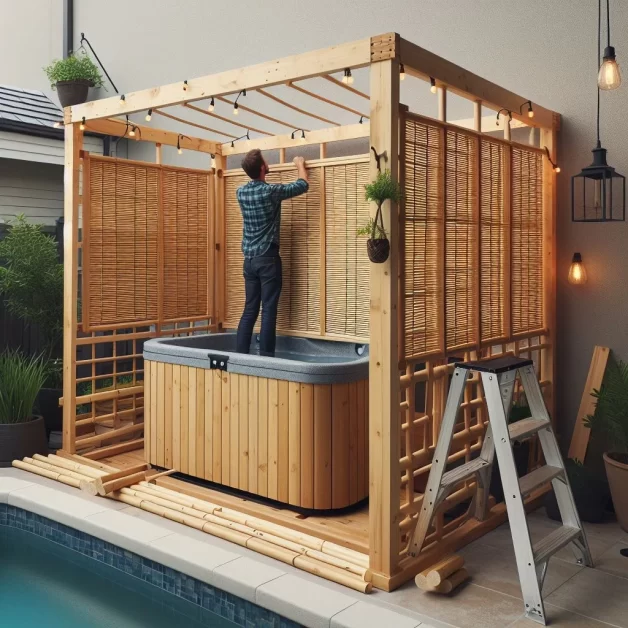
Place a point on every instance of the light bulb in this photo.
(303, 136)
(350, 79)
(609, 76)
(577, 272)
(210, 107)
(148, 115)
(597, 195)
(212, 164)
(556, 169)
(530, 114)
(82, 125)
(132, 132)
(180, 150)
(235, 109)
(122, 99)
(402, 72)
(432, 85)
(345, 79)
(185, 86)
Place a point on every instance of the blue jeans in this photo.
(262, 284)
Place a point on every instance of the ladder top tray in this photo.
(496, 365)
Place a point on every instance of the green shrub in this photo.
(21, 379)
(74, 68)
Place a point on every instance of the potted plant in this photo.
(611, 419)
(590, 493)
(384, 188)
(21, 433)
(31, 284)
(72, 77)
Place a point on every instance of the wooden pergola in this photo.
(403, 354)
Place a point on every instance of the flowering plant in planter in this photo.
(383, 188)
(72, 77)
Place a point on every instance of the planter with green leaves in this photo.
(611, 419)
(383, 189)
(72, 77)
(21, 433)
(31, 286)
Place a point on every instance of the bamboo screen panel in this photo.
(120, 252)
(461, 240)
(527, 241)
(494, 233)
(319, 245)
(423, 237)
(347, 271)
(185, 246)
(145, 244)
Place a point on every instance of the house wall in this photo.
(542, 50)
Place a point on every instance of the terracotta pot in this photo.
(73, 92)
(378, 249)
(617, 473)
(18, 440)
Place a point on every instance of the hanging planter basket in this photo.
(378, 249)
(73, 92)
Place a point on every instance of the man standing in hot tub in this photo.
(260, 203)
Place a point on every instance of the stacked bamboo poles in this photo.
(305, 552)
(444, 576)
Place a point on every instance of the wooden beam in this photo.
(489, 123)
(259, 113)
(333, 103)
(293, 107)
(73, 144)
(228, 120)
(353, 90)
(384, 391)
(194, 124)
(221, 241)
(581, 433)
(118, 128)
(425, 64)
(336, 134)
(355, 54)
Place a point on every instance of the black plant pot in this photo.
(521, 452)
(73, 92)
(48, 406)
(18, 440)
(378, 249)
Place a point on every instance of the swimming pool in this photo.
(43, 584)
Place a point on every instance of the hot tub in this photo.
(293, 428)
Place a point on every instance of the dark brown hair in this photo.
(253, 162)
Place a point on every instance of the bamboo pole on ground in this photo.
(25, 466)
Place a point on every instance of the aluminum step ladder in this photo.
(498, 379)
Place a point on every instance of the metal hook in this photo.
(378, 157)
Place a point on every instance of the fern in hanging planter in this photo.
(383, 189)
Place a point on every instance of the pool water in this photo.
(44, 585)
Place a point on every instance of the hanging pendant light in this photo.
(577, 273)
(598, 192)
(609, 76)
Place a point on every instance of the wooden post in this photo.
(73, 143)
(442, 104)
(477, 116)
(158, 154)
(548, 363)
(220, 242)
(384, 387)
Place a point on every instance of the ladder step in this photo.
(462, 472)
(553, 542)
(538, 478)
(526, 427)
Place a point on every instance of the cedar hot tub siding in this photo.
(301, 444)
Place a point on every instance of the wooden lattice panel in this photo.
(527, 241)
(494, 237)
(120, 222)
(185, 204)
(347, 264)
(461, 240)
(423, 237)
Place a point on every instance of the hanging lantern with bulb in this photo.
(577, 272)
(609, 76)
(402, 72)
(149, 115)
(598, 192)
(211, 105)
(433, 85)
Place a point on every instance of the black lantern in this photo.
(598, 192)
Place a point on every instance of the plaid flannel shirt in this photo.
(260, 203)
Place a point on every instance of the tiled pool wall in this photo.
(240, 612)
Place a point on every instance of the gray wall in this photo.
(542, 50)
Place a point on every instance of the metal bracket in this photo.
(217, 362)
(378, 157)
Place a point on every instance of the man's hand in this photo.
(299, 162)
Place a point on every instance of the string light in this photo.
(556, 167)
(148, 115)
(302, 134)
(577, 273)
(432, 85)
(185, 86)
(132, 131)
(609, 76)
(211, 105)
(82, 125)
(247, 136)
(212, 163)
(348, 77)
(361, 119)
(499, 112)
(235, 104)
(402, 72)
(179, 149)
(530, 110)
(122, 99)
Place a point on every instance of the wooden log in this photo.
(449, 584)
(443, 569)
(154, 477)
(49, 467)
(52, 475)
(331, 573)
(116, 485)
(85, 461)
(64, 463)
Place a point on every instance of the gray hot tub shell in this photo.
(309, 361)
